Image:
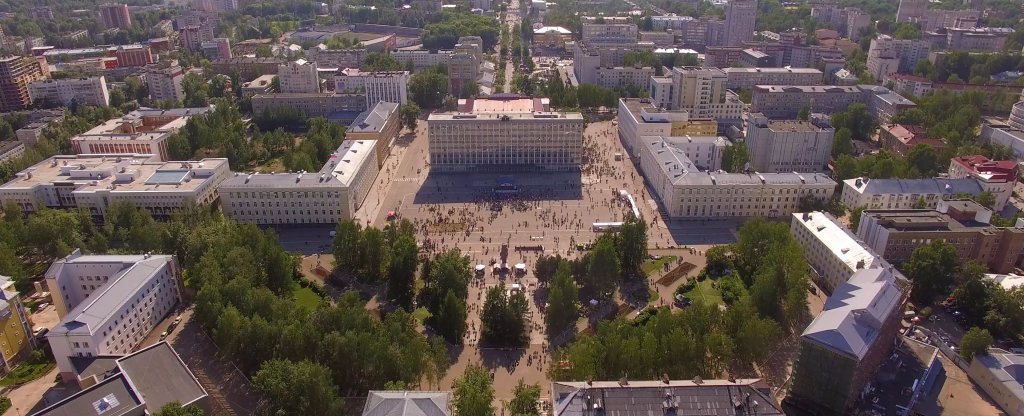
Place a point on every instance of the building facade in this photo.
(996, 372)
(139, 132)
(164, 80)
(700, 91)
(10, 149)
(15, 328)
(93, 182)
(388, 86)
(844, 346)
(133, 55)
(789, 145)
(299, 77)
(381, 124)
(833, 252)
(108, 304)
(313, 104)
(904, 193)
(888, 56)
(63, 92)
(505, 133)
(115, 16)
(740, 17)
(963, 224)
(689, 192)
(786, 101)
(997, 177)
(900, 138)
(639, 117)
(329, 196)
(16, 72)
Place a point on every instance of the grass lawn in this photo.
(26, 372)
(305, 296)
(652, 296)
(651, 266)
(705, 293)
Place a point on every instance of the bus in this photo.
(600, 227)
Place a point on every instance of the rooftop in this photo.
(356, 72)
(557, 29)
(501, 103)
(407, 403)
(982, 167)
(820, 89)
(143, 121)
(915, 186)
(644, 111)
(8, 145)
(681, 170)
(147, 379)
(855, 313)
(793, 126)
(339, 171)
(117, 173)
(132, 273)
(643, 398)
(1006, 368)
(839, 241)
(374, 119)
(787, 70)
(924, 220)
(1006, 281)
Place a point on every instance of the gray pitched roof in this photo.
(407, 403)
(855, 312)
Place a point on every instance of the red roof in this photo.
(999, 169)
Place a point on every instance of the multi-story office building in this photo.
(888, 56)
(505, 133)
(702, 92)
(329, 196)
(380, 124)
(139, 132)
(218, 48)
(609, 32)
(964, 224)
(789, 145)
(115, 16)
(904, 193)
(465, 62)
(36, 122)
(341, 107)
(389, 86)
(786, 101)
(16, 72)
(687, 191)
(144, 381)
(191, 38)
(164, 80)
(997, 177)
(108, 304)
(299, 77)
(740, 16)
(843, 347)
(591, 58)
(623, 76)
(972, 39)
(917, 11)
(747, 78)
(247, 68)
(93, 182)
(833, 252)
(337, 58)
(133, 55)
(15, 331)
(260, 85)
(63, 92)
(421, 59)
(660, 39)
(639, 117)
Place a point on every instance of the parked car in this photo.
(163, 336)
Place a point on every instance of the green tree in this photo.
(197, 90)
(524, 400)
(923, 158)
(375, 260)
(503, 317)
(931, 269)
(428, 88)
(176, 409)
(975, 341)
(632, 246)
(563, 302)
(347, 246)
(297, 388)
(409, 115)
(907, 30)
(402, 272)
(450, 319)
(857, 119)
(473, 393)
(735, 157)
(845, 168)
(986, 199)
(604, 268)
(804, 114)
(842, 143)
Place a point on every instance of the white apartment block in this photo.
(511, 133)
(640, 117)
(311, 104)
(299, 77)
(63, 92)
(789, 145)
(391, 86)
(588, 58)
(704, 152)
(93, 182)
(423, 59)
(108, 304)
(740, 17)
(143, 131)
(747, 78)
(164, 81)
(326, 197)
(623, 76)
(888, 55)
(688, 192)
(609, 32)
(702, 92)
(904, 193)
(833, 252)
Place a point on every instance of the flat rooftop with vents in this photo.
(741, 397)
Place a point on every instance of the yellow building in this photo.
(695, 127)
(551, 36)
(15, 332)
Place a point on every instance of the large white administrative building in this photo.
(94, 182)
(505, 133)
(326, 197)
(108, 304)
(687, 191)
(832, 250)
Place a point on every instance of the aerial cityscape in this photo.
(521, 208)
